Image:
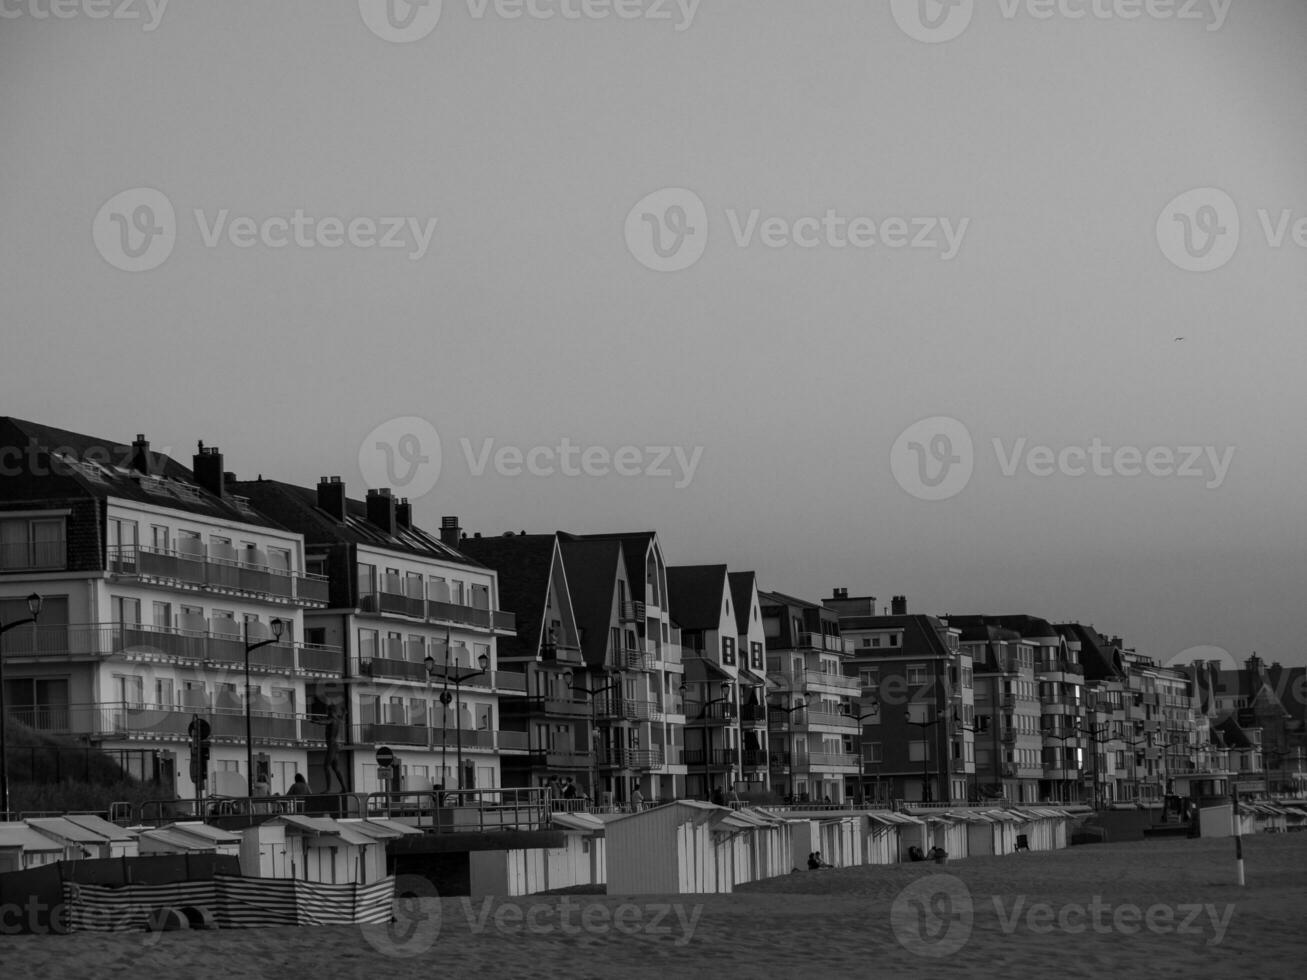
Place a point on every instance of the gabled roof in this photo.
(635, 547)
(524, 563)
(1026, 625)
(101, 826)
(743, 585)
(297, 508)
(90, 467)
(694, 595)
(591, 565)
(1095, 651)
(19, 835)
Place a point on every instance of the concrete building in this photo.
(154, 578)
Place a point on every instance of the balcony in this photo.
(835, 760)
(827, 644)
(402, 733)
(755, 759)
(398, 669)
(631, 759)
(631, 660)
(397, 603)
(169, 723)
(560, 707)
(219, 570)
(753, 714)
(631, 612)
(627, 710)
(713, 758)
(720, 713)
(558, 758)
(1059, 665)
(801, 680)
(157, 644)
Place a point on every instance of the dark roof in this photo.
(742, 587)
(694, 595)
(1290, 686)
(1097, 655)
(591, 566)
(87, 466)
(297, 508)
(634, 548)
(781, 599)
(524, 562)
(920, 634)
(1025, 625)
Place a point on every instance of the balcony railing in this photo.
(168, 645)
(632, 660)
(384, 733)
(753, 714)
(696, 713)
(139, 720)
(390, 668)
(840, 759)
(755, 759)
(713, 758)
(820, 641)
(632, 758)
(436, 611)
(800, 680)
(569, 707)
(217, 572)
(627, 709)
(631, 612)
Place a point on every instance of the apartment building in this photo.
(917, 703)
(154, 582)
(812, 726)
(420, 623)
(751, 646)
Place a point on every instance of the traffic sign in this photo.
(385, 757)
(198, 725)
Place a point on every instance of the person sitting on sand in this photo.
(813, 862)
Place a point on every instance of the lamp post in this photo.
(1073, 737)
(703, 716)
(277, 626)
(925, 756)
(570, 681)
(34, 602)
(798, 705)
(1095, 733)
(458, 679)
(874, 713)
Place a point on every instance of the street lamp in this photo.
(445, 697)
(925, 755)
(1073, 737)
(34, 602)
(848, 709)
(798, 705)
(703, 716)
(570, 681)
(1095, 733)
(277, 626)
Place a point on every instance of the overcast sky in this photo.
(1037, 163)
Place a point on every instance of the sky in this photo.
(997, 305)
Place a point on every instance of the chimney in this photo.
(839, 593)
(404, 514)
(141, 455)
(331, 497)
(207, 467)
(450, 533)
(898, 605)
(381, 509)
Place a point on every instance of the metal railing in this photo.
(796, 680)
(166, 644)
(466, 810)
(210, 569)
(140, 720)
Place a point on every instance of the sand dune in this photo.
(1156, 909)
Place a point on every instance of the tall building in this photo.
(420, 623)
(917, 702)
(812, 726)
(154, 580)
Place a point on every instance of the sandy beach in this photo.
(1158, 909)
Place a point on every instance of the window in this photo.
(158, 537)
(456, 593)
(918, 751)
(871, 752)
(163, 692)
(163, 614)
(367, 580)
(875, 641)
(367, 644)
(916, 675)
(126, 612)
(894, 639)
(279, 559)
(728, 650)
(755, 656)
(27, 543)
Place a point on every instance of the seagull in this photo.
(1178, 339)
